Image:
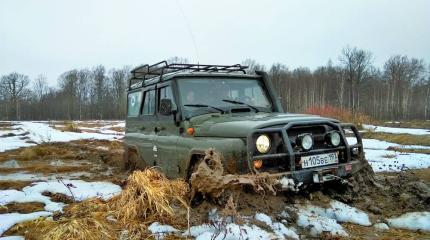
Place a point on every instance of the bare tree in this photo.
(14, 86)
(356, 62)
(40, 86)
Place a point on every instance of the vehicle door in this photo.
(147, 125)
(167, 132)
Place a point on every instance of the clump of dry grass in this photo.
(71, 127)
(31, 153)
(27, 207)
(149, 196)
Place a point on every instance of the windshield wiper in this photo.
(203, 105)
(241, 103)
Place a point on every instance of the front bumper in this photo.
(352, 162)
(321, 174)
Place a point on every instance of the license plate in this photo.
(319, 160)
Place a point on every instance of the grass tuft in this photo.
(342, 114)
(148, 197)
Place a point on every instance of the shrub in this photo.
(339, 113)
(71, 127)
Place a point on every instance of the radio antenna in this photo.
(190, 31)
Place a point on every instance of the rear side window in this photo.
(149, 103)
(134, 101)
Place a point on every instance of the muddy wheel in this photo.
(359, 184)
(132, 161)
(196, 198)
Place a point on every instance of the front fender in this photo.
(233, 151)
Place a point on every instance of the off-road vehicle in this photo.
(177, 111)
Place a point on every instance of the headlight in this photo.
(305, 141)
(263, 143)
(334, 138)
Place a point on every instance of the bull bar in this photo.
(315, 174)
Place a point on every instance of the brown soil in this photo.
(22, 207)
(381, 195)
(18, 185)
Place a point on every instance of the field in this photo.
(66, 180)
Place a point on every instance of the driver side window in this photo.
(166, 93)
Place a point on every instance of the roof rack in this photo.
(146, 72)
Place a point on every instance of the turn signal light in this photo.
(190, 131)
(258, 164)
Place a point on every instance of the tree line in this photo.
(400, 90)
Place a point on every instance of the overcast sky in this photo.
(51, 37)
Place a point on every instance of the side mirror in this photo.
(166, 106)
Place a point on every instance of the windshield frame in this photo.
(186, 114)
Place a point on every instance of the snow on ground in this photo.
(412, 221)
(12, 238)
(77, 189)
(383, 160)
(32, 133)
(228, 231)
(160, 230)
(381, 226)
(280, 230)
(27, 176)
(413, 131)
(9, 219)
(320, 219)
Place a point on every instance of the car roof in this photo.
(177, 75)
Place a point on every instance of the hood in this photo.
(239, 125)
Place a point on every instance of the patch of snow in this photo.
(78, 189)
(25, 176)
(263, 218)
(381, 226)
(161, 230)
(40, 132)
(319, 219)
(231, 231)
(12, 238)
(344, 213)
(383, 160)
(10, 164)
(412, 131)
(411, 221)
(278, 228)
(308, 218)
(7, 220)
(391, 161)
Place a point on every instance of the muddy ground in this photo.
(380, 195)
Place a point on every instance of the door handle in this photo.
(157, 129)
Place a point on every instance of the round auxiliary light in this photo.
(263, 143)
(334, 139)
(306, 142)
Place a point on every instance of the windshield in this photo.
(212, 92)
